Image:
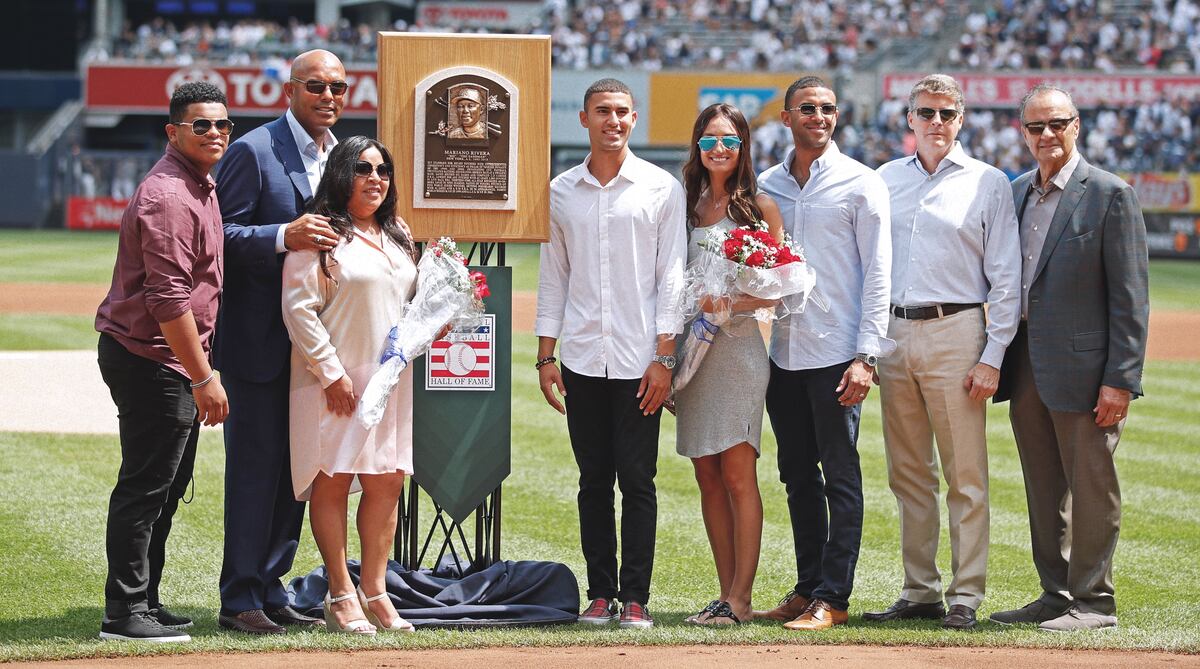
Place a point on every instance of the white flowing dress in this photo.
(338, 327)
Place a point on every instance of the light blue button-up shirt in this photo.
(955, 241)
(840, 217)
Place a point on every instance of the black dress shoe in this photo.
(168, 619)
(960, 617)
(906, 610)
(254, 621)
(289, 616)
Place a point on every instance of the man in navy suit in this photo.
(263, 185)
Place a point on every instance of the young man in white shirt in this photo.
(822, 360)
(609, 288)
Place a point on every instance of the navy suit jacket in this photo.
(261, 185)
(1089, 307)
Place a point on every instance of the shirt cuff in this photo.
(328, 371)
(993, 354)
(547, 327)
(279, 246)
(874, 345)
(668, 324)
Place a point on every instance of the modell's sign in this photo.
(1088, 90)
(1166, 191)
(147, 88)
(95, 213)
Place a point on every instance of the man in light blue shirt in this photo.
(822, 360)
(955, 246)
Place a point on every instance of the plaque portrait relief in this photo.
(465, 149)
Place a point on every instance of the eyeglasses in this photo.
(364, 169)
(808, 109)
(201, 126)
(317, 87)
(928, 113)
(709, 142)
(1056, 124)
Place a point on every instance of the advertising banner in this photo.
(258, 91)
(95, 213)
(1088, 90)
(1173, 235)
(1165, 191)
(518, 16)
(677, 97)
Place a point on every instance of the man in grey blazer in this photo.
(1075, 364)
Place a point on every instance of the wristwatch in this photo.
(867, 359)
(667, 361)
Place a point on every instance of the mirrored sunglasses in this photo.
(364, 169)
(928, 113)
(317, 87)
(201, 126)
(709, 142)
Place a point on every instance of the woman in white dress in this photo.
(720, 411)
(338, 306)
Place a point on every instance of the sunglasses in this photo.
(364, 169)
(928, 113)
(709, 142)
(317, 87)
(201, 126)
(1057, 125)
(808, 109)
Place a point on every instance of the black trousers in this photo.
(157, 419)
(819, 468)
(614, 442)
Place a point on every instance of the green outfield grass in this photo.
(54, 488)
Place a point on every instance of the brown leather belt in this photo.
(935, 311)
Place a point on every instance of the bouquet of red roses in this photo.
(447, 294)
(741, 262)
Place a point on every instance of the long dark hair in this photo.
(740, 184)
(333, 195)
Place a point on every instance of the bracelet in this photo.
(542, 362)
(205, 382)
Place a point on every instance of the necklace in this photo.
(716, 205)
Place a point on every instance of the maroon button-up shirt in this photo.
(169, 261)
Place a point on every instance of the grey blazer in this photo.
(1089, 305)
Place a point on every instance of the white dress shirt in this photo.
(314, 162)
(840, 218)
(955, 241)
(611, 276)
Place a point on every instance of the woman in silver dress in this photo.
(719, 412)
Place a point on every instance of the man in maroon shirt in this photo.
(156, 327)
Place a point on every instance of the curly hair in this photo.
(191, 93)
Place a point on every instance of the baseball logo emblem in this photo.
(460, 359)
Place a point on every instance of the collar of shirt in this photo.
(957, 156)
(304, 141)
(831, 153)
(203, 179)
(632, 168)
(1059, 180)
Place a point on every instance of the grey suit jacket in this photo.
(1089, 305)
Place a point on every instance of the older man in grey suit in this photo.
(1075, 364)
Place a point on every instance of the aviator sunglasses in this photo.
(1057, 125)
(317, 87)
(709, 142)
(201, 126)
(364, 169)
(928, 113)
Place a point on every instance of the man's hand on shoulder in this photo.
(310, 232)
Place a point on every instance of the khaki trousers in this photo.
(921, 387)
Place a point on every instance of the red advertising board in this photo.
(1089, 90)
(147, 88)
(95, 213)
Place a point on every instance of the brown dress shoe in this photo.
(789, 607)
(254, 621)
(819, 615)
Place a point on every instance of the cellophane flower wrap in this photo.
(447, 293)
(738, 263)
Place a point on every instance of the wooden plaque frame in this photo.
(405, 59)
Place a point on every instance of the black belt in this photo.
(935, 311)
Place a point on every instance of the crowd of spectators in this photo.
(1159, 35)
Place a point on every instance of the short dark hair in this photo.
(607, 85)
(803, 82)
(1045, 88)
(194, 92)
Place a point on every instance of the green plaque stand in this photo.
(462, 429)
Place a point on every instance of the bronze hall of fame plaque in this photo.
(465, 140)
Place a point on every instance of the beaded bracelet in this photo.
(542, 362)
